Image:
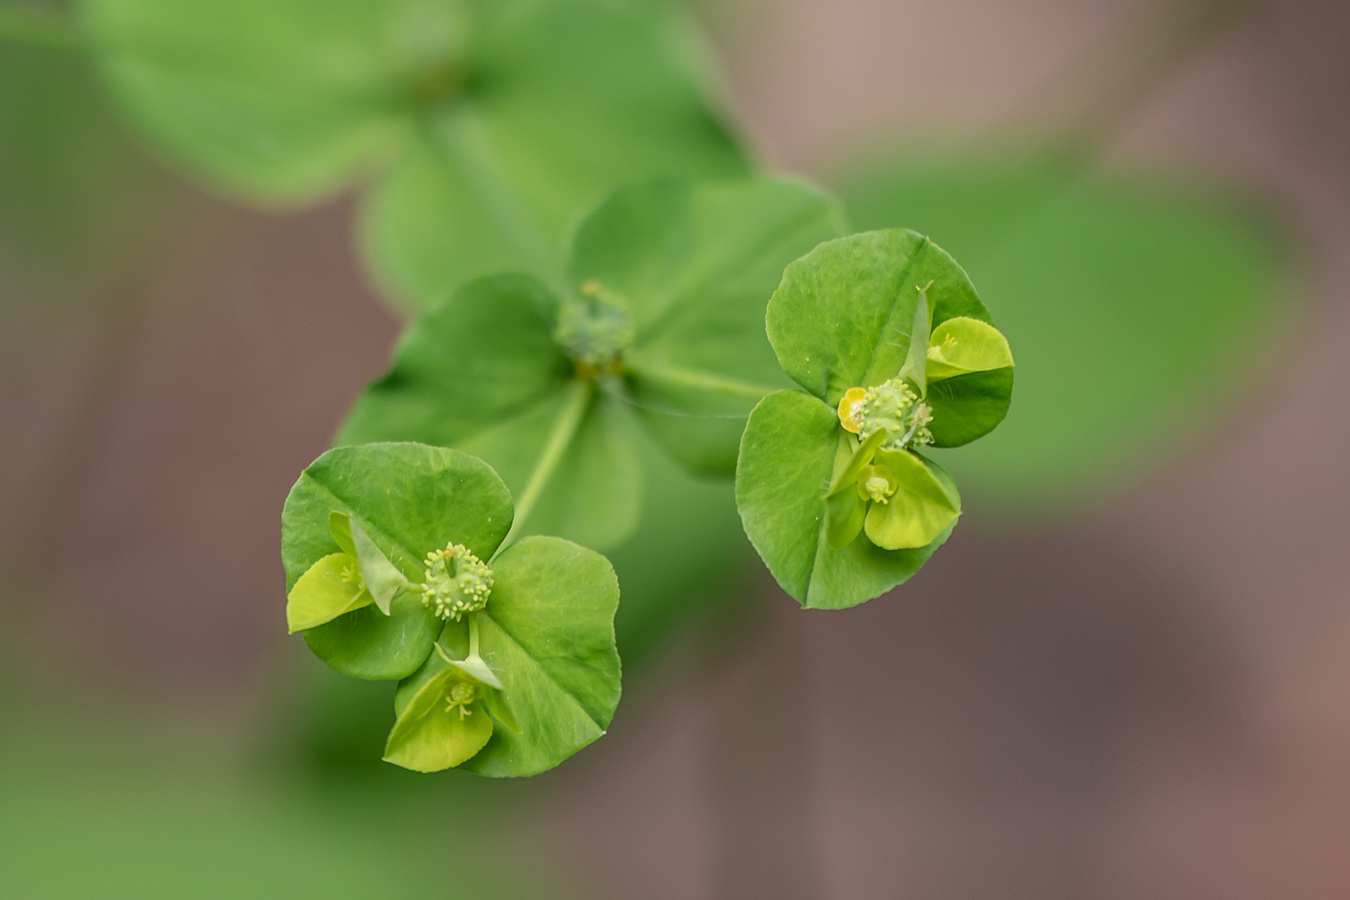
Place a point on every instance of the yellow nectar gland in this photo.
(457, 582)
(459, 696)
(851, 409)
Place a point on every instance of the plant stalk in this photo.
(559, 439)
(702, 381)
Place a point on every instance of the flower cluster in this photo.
(892, 407)
(457, 582)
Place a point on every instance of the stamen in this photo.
(457, 582)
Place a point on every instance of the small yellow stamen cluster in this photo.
(351, 574)
(891, 406)
(459, 696)
(939, 351)
(877, 484)
(457, 582)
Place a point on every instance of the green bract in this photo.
(662, 328)
(508, 654)
(886, 333)
(491, 123)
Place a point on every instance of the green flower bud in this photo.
(595, 330)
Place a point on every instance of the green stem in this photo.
(473, 635)
(699, 380)
(39, 28)
(559, 439)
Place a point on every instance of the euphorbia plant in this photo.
(661, 327)
(896, 353)
(401, 563)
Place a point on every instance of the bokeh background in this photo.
(1126, 676)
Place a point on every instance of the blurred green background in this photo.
(1123, 678)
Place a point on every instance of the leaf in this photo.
(787, 459)
(410, 499)
(275, 101)
(323, 593)
(921, 509)
(548, 633)
(843, 314)
(1142, 309)
(694, 265)
(963, 345)
(383, 581)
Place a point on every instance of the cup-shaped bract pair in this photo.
(491, 125)
(896, 353)
(662, 328)
(395, 569)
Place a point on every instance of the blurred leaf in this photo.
(1137, 309)
(496, 123)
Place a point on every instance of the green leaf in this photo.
(427, 736)
(921, 509)
(548, 634)
(694, 264)
(787, 459)
(323, 593)
(1142, 308)
(843, 314)
(409, 499)
(383, 581)
(963, 345)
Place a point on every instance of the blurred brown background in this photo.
(1143, 697)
